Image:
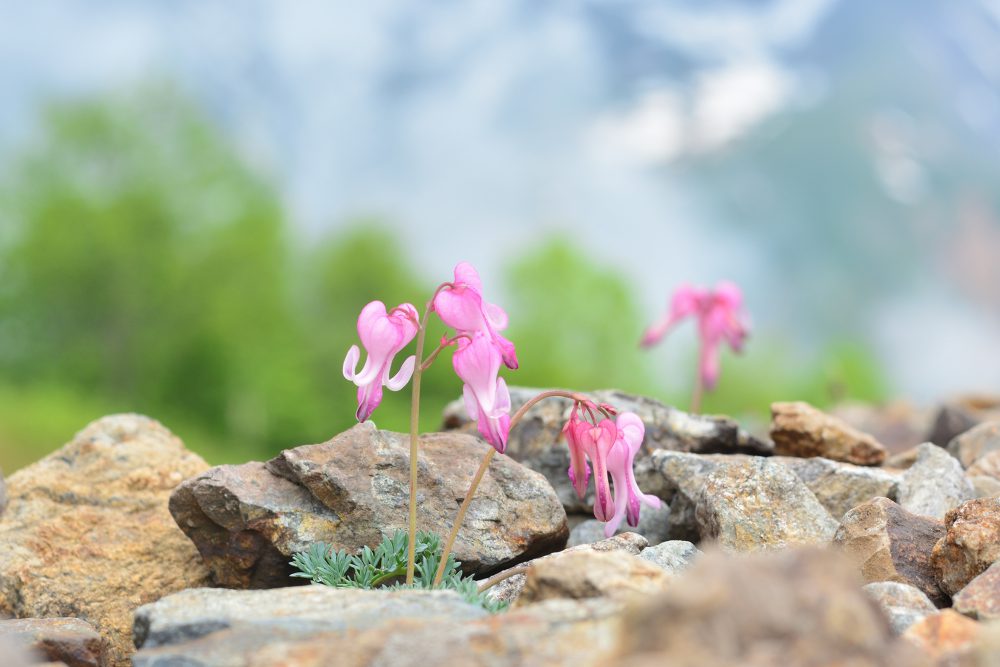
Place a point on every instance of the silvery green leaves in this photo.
(385, 566)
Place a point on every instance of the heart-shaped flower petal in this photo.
(383, 335)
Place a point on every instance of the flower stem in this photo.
(503, 576)
(695, 407)
(411, 549)
(460, 517)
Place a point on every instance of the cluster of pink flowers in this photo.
(720, 317)
(480, 349)
(611, 446)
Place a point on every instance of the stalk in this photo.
(460, 517)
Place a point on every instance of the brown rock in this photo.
(798, 429)
(760, 504)
(970, 545)
(511, 581)
(592, 574)
(69, 640)
(961, 414)
(248, 520)
(980, 599)
(793, 607)
(887, 543)
(987, 465)
(946, 636)
(87, 532)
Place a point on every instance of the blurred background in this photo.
(196, 199)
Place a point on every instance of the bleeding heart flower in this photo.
(719, 315)
(463, 308)
(383, 336)
(579, 471)
(621, 460)
(477, 363)
(597, 441)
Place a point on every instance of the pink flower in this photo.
(579, 471)
(383, 336)
(597, 441)
(720, 317)
(621, 459)
(477, 363)
(463, 308)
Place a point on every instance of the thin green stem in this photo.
(503, 576)
(386, 577)
(464, 507)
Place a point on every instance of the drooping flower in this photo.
(477, 363)
(621, 460)
(463, 308)
(597, 441)
(720, 317)
(383, 335)
(579, 471)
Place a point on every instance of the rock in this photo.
(934, 484)
(980, 598)
(760, 504)
(578, 575)
(898, 425)
(987, 465)
(674, 556)
(296, 610)
(972, 445)
(960, 415)
(798, 429)
(653, 525)
(536, 440)
(970, 544)
(946, 636)
(903, 604)
(69, 640)
(511, 581)
(840, 487)
(248, 520)
(678, 478)
(793, 607)
(351, 628)
(87, 533)
(984, 487)
(887, 543)
(902, 460)
(15, 655)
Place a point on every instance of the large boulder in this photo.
(792, 607)
(87, 533)
(316, 627)
(537, 440)
(887, 543)
(798, 429)
(760, 504)
(248, 520)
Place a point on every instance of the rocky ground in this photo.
(861, 537)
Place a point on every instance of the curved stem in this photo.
(460, 517)
(503, 576)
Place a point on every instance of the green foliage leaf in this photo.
(385, 565)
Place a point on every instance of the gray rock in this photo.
(678, 477)
(760, 504)
(934, 484)
(951, 420)
(903, 604)
(653, 525)
(674, 556)
(512, 580)
(536, 440)
(558, 633)
(296, 611)
(985, 486)
(248, 520)
(839, 487)
(69, 640)
(972, 445)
